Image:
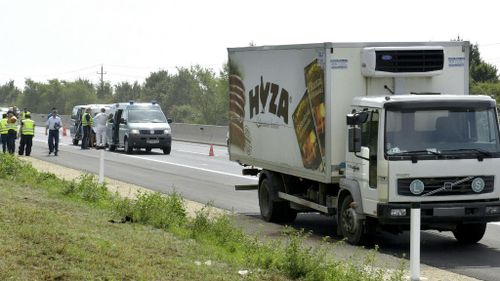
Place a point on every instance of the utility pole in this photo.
(102, 80)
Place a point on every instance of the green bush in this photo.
(154, 209)
(11, 167)
(86, 188)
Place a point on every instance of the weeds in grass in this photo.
(153, 209)
(11, 167)
(86, 188)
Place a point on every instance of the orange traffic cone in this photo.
(211, 151)
(64, 131)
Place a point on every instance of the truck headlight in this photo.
(134, 132)
(477, 185)
(167, 131)
(417, 187)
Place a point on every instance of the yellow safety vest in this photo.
(84, 120)
(28, 127)
(11, 126)
(3, 126)
(23, 115)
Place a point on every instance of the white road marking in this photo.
(194, 167)
(187, 151)
(175, 164)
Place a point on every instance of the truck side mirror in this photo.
(354, 139)
(357, 118)
(169, 120)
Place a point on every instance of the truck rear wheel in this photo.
(469, 233)
(274, 211)
(351, 226)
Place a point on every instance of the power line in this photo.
(489, 45)
(51, 74)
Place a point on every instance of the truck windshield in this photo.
(441, 131)
(146, 116)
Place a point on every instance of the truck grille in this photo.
(151, 132)
(432, 184)
(398, 61)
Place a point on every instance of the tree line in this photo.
(191, 95)
(483, 77)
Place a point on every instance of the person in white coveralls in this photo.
(100, 128)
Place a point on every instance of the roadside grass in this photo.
(74, 239)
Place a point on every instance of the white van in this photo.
(138, 125)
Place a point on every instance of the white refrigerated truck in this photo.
(361, 131)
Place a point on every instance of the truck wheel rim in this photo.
(349, 220)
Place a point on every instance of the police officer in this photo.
(12, 132)
(27, 132)
(52, 127)
(4, 130)
(87, 123)
(24, 113)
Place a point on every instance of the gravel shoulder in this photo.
(252, 225)
(122, 188)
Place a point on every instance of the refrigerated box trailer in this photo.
(360, 131)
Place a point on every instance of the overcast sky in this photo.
(67, 39)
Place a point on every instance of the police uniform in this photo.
(4, 131)
(27, 133)
(87, 122)
(52, 126)
(11, 136)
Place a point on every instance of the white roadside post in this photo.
(415, 242)
(101, 166)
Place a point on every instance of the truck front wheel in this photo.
(351, 226)
(274, 211)
(469, 233)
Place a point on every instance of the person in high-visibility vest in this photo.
(12, 132)
(23, 113)
(4, 131)
(27, 132)
(87, 123)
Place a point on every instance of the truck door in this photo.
(369, 140)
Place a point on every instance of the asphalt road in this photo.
(202, 178)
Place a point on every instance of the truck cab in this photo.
(440, 151)
(138, 125)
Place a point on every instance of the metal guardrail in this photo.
(208, 134)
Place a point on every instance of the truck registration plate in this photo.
(449, 212)
(152, 141)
